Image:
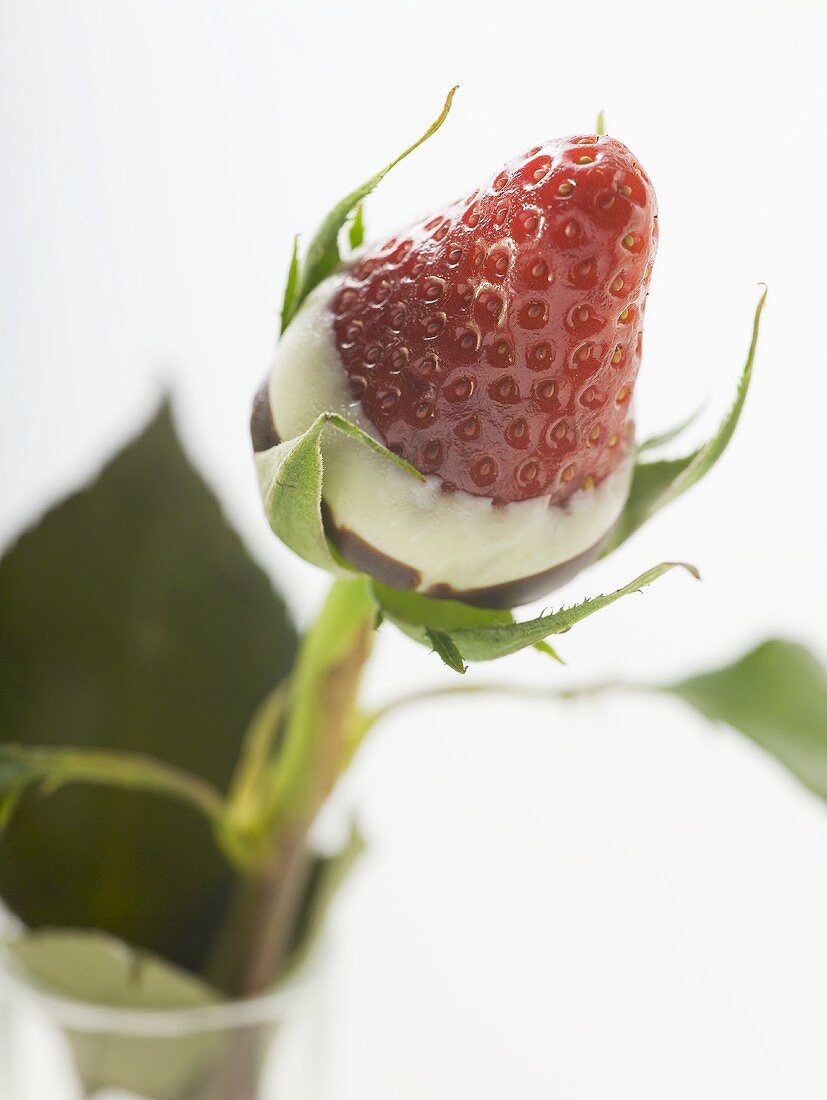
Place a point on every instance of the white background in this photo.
(609, 900)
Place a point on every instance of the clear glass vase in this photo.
(270, 1047)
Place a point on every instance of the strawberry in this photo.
(496, 344)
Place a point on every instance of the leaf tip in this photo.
(444, 645)
(692, 570)
(544, 647)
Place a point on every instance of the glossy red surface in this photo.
(497, 344)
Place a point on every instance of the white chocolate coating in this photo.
(454, 538)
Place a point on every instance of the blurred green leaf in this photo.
(133, 620)
(777, 695)
(98, 969)
(656, 484)
(323, 256)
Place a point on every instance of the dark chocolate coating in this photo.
(262, 429)
(499, 597)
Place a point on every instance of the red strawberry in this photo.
(497, 344)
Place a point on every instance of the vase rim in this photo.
(271, 1006)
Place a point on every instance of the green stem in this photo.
(323, 691)
(53, 768)
(312, 751)
(522, 692)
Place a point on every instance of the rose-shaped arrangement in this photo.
(448, 429)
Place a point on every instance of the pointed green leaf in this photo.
(777, 695)
(291, 482)
(479, 635)
(656, 484)
(291, 286)
(356, 233)
(133, 621)
(544, 647)
(656, 441)
(323, 256)
(444, 646)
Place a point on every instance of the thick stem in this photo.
(314, 749)
(312, 752)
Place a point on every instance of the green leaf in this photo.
(100, 970)
(656, 441)
(656, 484)
(134, 621)
(777, 695)
(478, 635)
(323, 251)
(291, 286)
(356, 233)
(291, 483)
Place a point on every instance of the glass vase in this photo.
(270, 1047)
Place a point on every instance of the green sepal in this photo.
(291, 286)
(479, 635)
(656, 484)
(323, 256)
(356, 233)
(655, 442)
(291, 479)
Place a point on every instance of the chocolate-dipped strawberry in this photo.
(494, 346)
